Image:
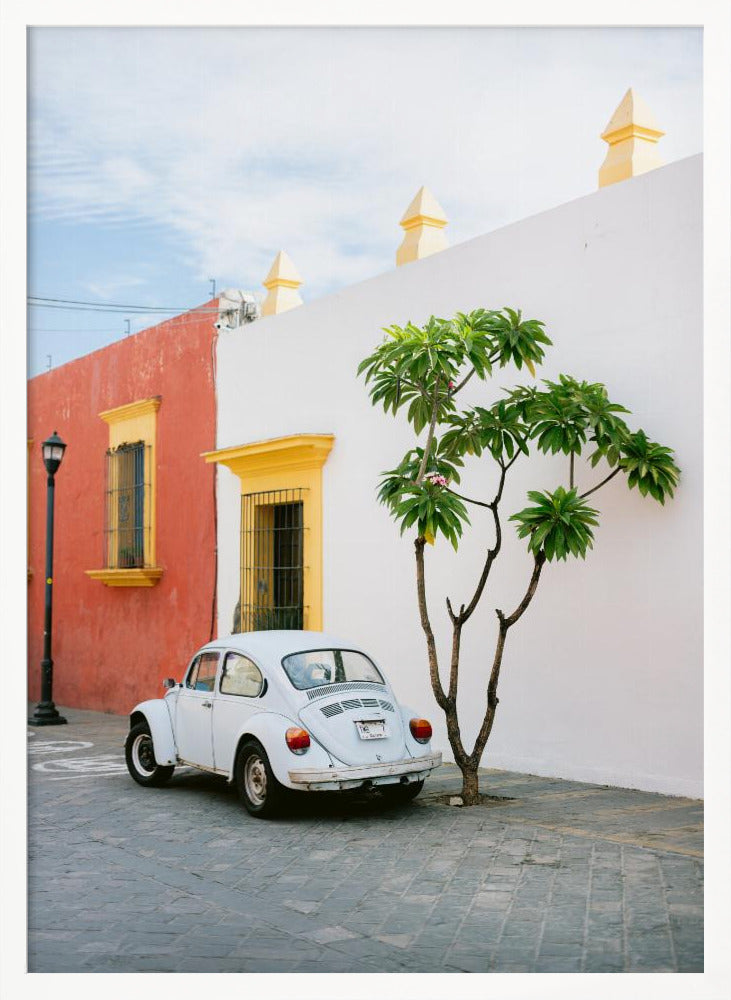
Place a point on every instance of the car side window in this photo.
(202, 673)
(240, 676)
(193, 673)
(206, 677)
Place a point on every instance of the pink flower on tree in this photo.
(436, 479)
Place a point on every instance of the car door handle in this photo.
(207, 704)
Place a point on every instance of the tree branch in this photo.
(410, 384)
(422, 388)
(506, 468)
(599, 485)
(505, 624)
(478, 503)
(491, 553)
(454, 664)
(571, 471)
(426, 626)
(539, 560)
(513, 460)
(491, 361)
(430, 435)
(463, 383)
(450, 611)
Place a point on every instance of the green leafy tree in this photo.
(420, 371)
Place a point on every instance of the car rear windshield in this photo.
(316, 667)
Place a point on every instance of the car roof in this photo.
(277, 643)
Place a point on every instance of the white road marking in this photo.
(80, 767)
(57, 746)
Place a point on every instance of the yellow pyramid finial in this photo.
(423, 221)
(281, 283)
(632, 134)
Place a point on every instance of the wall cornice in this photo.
(294, 452)
(129, 411)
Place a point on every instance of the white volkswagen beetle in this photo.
(282, 710)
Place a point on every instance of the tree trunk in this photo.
(470, 784)
(448, 702)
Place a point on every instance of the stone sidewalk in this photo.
(545, 876)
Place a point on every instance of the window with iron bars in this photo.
(272, 553)
(128, 507)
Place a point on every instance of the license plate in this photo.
(372, 730)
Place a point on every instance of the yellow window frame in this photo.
(134, 422)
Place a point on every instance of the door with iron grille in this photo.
(272, 570)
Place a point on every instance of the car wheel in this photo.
(259, 790)
(140, 756)
(401, 794)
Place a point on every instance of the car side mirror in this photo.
(169, 683)
(264, 687)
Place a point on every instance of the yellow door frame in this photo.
(287, 463)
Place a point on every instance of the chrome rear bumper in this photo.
(326, 778)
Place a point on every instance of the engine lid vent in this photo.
(327, 689)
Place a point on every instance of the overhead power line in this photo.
(187, 319)
(72, 329)
(112, 307)
(98, 309)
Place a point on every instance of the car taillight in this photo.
(298, 740)
(420, 730)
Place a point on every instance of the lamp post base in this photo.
(46, 714)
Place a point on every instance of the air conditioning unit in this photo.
(237, 307)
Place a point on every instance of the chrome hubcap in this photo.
(255, 780)
(143, 755)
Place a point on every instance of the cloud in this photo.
(241, 141)
(108, 290)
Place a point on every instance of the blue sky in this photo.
(160, 158)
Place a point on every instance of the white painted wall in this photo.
(602, 678)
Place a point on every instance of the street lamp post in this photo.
(46, 713)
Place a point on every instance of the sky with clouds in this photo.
(161, 158)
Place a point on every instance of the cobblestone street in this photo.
(546, 876)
